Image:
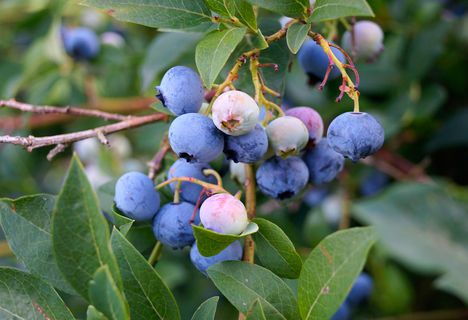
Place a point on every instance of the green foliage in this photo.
(207, 310)
(333, 9)
(290, 8)
(296, 35)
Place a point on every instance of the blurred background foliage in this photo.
(414, 191)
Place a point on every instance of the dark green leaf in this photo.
(290, 8)
(210, 243)
(172, 14)
(214, 50)
(106, 297)
(23, 296)
(207, 310)
(334, 9)
(80, 234)
(245, 13)
(223, 7)
(93, 314)
(452, 133)
(26, 223)
(122, 222)
(147, 295)
(330, 271)
(159, 107)
(296, 35)
(243, 283)
(256, 312)
(275, 251)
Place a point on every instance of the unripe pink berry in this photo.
(368, 40)
(312, 120)
(224, 213)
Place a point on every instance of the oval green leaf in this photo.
(334, 9)
(207, 310)
(289, 8)
(296, 35)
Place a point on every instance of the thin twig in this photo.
(156, 163)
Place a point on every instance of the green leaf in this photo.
(159, 107)
(106, 297)
(172, 14)
(275, 251)
(23, 296)
(147, 295)
(296, 35)
(214, 50)
(334, 9)
(223, 7)
(330, 271)
(256, 312)
(210, 243)
(290, 8)
(80, 234)
(242, 283)
(435, 245)
(93, 314)
(26, 223)
(122, 222)
(245, 13)
(207, 310)
(163, 52)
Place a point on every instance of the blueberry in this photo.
(312, 120)
(80, 43)
(323, 162)
(316, 196)
(368, 40)
(181, 90)
(235, 113)
(355, 135)
(343, 313)
(314, 61)
(237, 171)
(189, 191)
(247, 148)
(232, 252)
(224, 213)
(361, 290)
(287, 136)
(282, 178)
(172, 225)
(195, 138)
(136, 197)
(373, 183)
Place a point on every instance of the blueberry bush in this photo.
(240, 159)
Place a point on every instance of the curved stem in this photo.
(154, 256)
(177, 192)
(209, 186)
(219, 180)
(250, 203)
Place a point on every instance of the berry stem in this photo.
(155, 253)
(177, 192)
(209, 186)
(219, 180)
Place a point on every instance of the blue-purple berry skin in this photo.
(195, 138)
(232, 252)
(314, 60)
(181, 90)
(311, 119)
(172, 224)
(247, 148)
(374, 183)
(361, 290)
(355, 135)
(189, 192)
(80, 43)
(323, 163)
(343, 313)
(136, 197)
(282, 178)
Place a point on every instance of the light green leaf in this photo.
(290, 8)
(330, 271)
(334, 9)
(23, 296)
(435, 245)
(93, 314)
(243, 283)
(173, 14)
(275, 251)
(210, 243)
(26, 223)
(122, 222)
(245, 13)
(296, 35)
(207, 310)
(256, 312)
(159, 107)
(106, 297)
(223, 7)
(147, 295)
(80, 234)
(214, 50)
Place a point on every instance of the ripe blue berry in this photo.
(361, 289)
(136, 197)
(247, 148)
(235, 113)
(232, 252)
(312, 120)
(282, 178)
(181, 90)
(287, 136)
(368, 40)
(195, 138)
(81, 43)
(189, 191)
(343, 313)
(323, 162)
(314, 61)
(355, 135)
(173, 226)
(224, 213)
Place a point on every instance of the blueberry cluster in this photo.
(359, 294)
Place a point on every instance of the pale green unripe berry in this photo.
(368, 40)
(287, 136)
